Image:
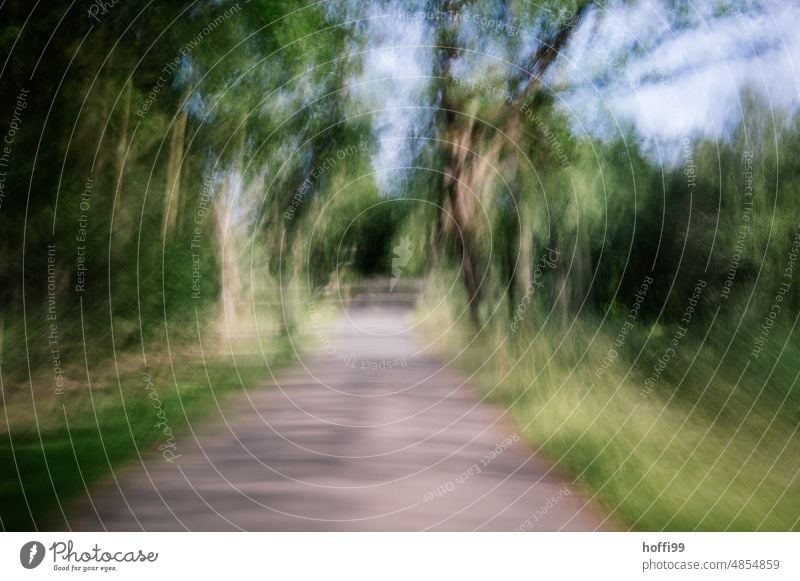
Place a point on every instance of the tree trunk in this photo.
(172, 197)
(471, 160)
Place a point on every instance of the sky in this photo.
(686, 74)
(394, 82)
(670, 73)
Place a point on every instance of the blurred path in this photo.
(366, 434)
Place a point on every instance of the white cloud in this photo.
(394, 82)
(681, 77)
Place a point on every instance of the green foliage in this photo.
(179, 168)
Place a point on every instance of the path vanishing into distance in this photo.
(366, 433)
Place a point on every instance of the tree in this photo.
(473, 148)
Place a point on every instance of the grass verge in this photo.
(710, 444)
(55, 445)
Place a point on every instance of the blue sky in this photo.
(670, 73)
(685, 74)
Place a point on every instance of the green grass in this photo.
(713, 447)
(86, 433)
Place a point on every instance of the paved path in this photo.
(334, 446)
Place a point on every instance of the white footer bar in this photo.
(406, 556)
